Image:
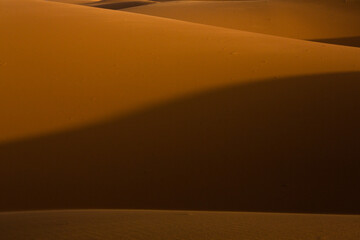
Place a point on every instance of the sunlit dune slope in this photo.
(109, 109)
(82, 64)
(154, 225)
(312, 19)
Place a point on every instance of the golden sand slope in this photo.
(104, 108)
(314, 19)
(81, 64)
(153, 225)
(328, 21)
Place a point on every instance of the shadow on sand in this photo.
(348, 41)
(122, 5)
(285, 145)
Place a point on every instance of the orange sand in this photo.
(104, 108)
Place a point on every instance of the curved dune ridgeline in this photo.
(156, 119)
(311, 20)
(83, 64)
(112, 109)
(327, 21)
(284, 145)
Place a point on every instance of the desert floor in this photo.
(239, 106)
(143, 225)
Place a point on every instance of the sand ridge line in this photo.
(215, 26)
(138, 10)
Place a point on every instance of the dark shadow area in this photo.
(281, 145)
(122, 5)
(348, 41)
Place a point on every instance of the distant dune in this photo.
(322, 19)
(329, 21)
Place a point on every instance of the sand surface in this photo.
(193, 117)
(320, 20)
(145, 225)
(174, 106)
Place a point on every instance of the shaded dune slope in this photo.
(116, 5)
(108, 4)
(285, 145)
(125, 4)
(346, 41)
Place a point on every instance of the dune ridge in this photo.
(116, 112)
(179, 107)
(105, 109)
(295, 19)
(52, 104)
(333, 22)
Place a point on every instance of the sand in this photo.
(310, 20)
(65, 59)
(104, 108)
(139, 225)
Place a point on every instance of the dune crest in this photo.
(79, 78)
(295, 19)
(179, 105)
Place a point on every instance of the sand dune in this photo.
(76, 1)
(243, 121)
(66, 76)
(285, 145)
(335, 22)
(102, 108)
(346, 41)
(128, 225)
(295, 19)
(108, 4)
(120, 4)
